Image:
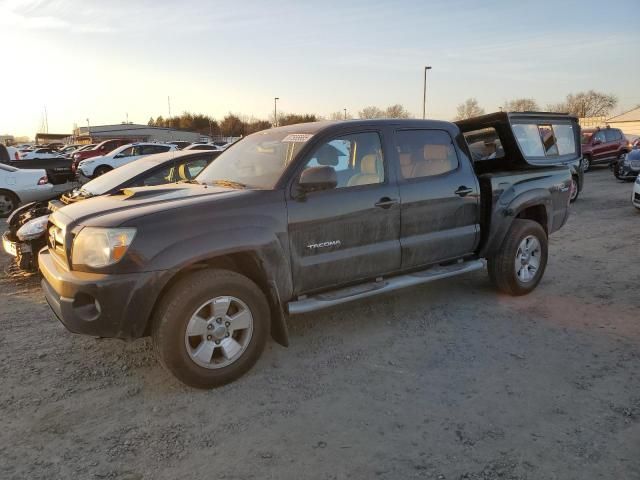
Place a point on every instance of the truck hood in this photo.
(113, 210)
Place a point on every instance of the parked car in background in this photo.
(26, 226)
(628, 167)
(635, 194)
(203, 146)
(20, 186)
(96, 166)
(58, 168)
(180, 144)
(69, 149)
(602, 146)
(41, 154)
(101, 148)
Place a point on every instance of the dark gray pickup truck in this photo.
(299, 218)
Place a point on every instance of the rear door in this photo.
(600, 147)
(440, 198)
(351, 232)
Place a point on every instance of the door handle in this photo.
(386, 202)
(463, 191)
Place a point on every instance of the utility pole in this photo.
(275, 111)
(46, 120)
(345, 113)
(424, 97)
(127, 118)
(169, 104)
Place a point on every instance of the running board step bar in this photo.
(336, 297)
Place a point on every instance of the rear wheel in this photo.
(586, 163)
(520, 264)
(211, 327)
(8, 202)
(101, 170)
(575, 190)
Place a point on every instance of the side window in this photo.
(158, 177)
(127, 152)
(600, 136)
(484, 144)
(190, 169)
(565, 139)
(357, 159)
(160, 148)
(612, 135)
(425, 153)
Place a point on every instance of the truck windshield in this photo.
(257, 161)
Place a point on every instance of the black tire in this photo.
(586, 163)
(182, 301)
(502, 271)
(9, 201)
(101, 170)
(575, 189)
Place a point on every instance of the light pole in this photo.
(424, 97)
(345, 113)
(275, 111)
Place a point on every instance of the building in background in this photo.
(628, 122)
(7, 139)
(134, 133)
(47, 138)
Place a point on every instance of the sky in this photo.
(104, 60)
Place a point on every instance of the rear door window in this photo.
(612, 135)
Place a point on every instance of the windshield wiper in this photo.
(228, 183)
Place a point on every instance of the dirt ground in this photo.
(446, 381)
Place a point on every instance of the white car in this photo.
(202, 146)
(41, 153)
(635, 194)
(14, 153)
(96, 166)
(22, 186)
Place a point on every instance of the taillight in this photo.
(16, 155)
(43, 180)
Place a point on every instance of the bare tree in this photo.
(521, 105)
(339, 115)
(396, 111)
(586, 104)
(371, 112)
(469, 109)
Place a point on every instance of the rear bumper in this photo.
(105, 305)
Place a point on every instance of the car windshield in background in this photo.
(257, 161)
(586, 138)
(111, 180)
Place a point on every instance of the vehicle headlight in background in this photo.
(33, 228)
(99, 247)
(638, 179)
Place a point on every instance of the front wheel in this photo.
(520, 264)
(586, 163)
(211, 327)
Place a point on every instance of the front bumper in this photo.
(628, 172)
(105, 305)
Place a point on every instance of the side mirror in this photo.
(314, 179)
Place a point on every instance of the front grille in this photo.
(55, 241)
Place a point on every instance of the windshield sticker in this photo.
(297, 138)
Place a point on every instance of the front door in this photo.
(440, 209)
(350, 232)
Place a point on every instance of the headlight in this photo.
(638, 179)
(100, 247)
(33, 228)
(86, 162)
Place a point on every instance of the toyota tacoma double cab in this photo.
(304, 217)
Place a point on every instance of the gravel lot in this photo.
(445, 381)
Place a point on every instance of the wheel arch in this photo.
(248, 263)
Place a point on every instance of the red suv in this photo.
(101, 149)
(602, 145)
